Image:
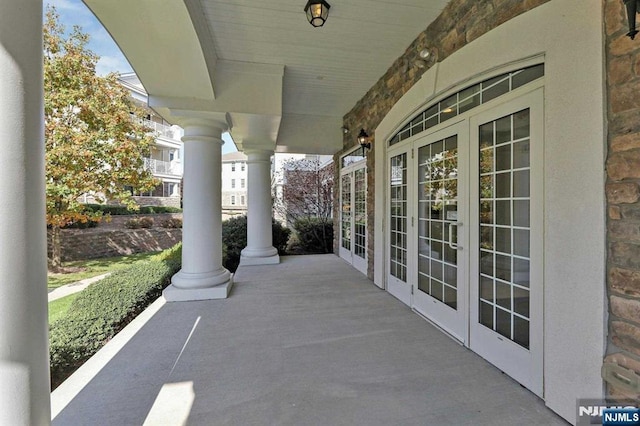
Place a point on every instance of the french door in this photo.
(353, 216)
(398, 282)
(465, 221)
(440, 290)
(507, 239)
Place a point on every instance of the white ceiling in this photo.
(326, 70)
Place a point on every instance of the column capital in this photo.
(258, 155)
(201, 123)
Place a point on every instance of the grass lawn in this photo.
(91, 268)
(59, 307)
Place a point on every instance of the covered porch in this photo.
(316, 342)
(309, 341)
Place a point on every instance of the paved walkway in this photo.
(68, 289)
(310, 341)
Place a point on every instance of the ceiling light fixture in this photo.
(317, 12)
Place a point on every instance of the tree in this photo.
(95, 142)
(307, 190)
(306, 201)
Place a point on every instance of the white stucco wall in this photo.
(567, 34)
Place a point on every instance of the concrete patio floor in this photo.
(310, 341)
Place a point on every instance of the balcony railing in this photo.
(163, 167)
(160, 129)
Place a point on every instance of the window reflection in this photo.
(470, 98)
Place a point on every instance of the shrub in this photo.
(122, 210)
(136, 223)
(108, 209)
(102, 310)
(132, 224)
(280, 236)
(315, 235)
(145, 222)
(173, 222)
(234, 238)
(157, 210)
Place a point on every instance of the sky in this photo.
(74, 12)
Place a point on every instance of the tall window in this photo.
(242, 167)
(233, 167)
(233, 183)
(233, 200)
(242, 200)
(242, 182)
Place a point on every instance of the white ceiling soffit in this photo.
(328, 69)
(310, 134)
(160, 42)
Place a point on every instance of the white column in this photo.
(24, 345)
(259, 250)
(202, 275)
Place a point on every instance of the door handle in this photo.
(453, 245)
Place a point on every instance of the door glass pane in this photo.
(504, 232)
(360, 213)
(437, 213)
(345, 212)
(398, 217)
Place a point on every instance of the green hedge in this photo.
(122, 210)
(315, 235)
(102, 310)
(234, 239)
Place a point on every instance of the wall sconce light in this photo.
(363, 140)
(345, 129)
(317, 12)
(633, 7)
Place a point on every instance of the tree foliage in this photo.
(307, 191)
(94, 141)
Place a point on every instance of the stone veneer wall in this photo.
(623, 192)
(461, 22)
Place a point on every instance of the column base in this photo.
(187, 287)
(267, 256)
(251, 261)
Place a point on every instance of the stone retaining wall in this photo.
(158, 201)
(112, 239)
(118, 221)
